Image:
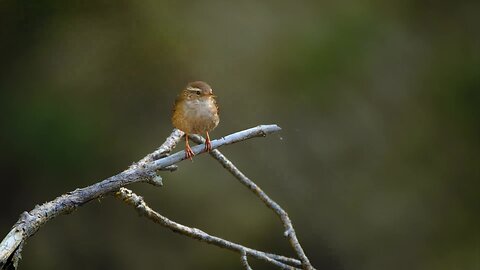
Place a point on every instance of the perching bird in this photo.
(196, 112)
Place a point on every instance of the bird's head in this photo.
(197, 89)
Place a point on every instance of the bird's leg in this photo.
(208, 145)
(188, 151)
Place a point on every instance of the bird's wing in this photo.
(216, 106)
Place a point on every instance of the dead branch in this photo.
(146, 171)
(141, 206)
(282, 214)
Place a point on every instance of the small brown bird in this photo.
(196, 112)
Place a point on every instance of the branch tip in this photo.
(156, 180)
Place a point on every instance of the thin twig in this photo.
(163, 150)
(282, 214)
(244, 260)
(140, 205)
(143, 171)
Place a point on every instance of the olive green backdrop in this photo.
(377, 162)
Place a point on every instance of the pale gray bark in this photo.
(244, 260)
(282, 214)
(143, 209)
(146, 171)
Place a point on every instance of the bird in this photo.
(196, 112)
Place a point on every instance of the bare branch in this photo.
(282, 214)
(140, 205)
(163, 150)
(143, 171)
(244, 260)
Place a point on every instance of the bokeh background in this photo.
(377, 163)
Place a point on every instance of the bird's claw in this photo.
(189, 153)
(208, 146)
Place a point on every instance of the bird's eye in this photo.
(198, 93)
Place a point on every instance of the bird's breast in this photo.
(196, 116)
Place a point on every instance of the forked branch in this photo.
(143, 209)
(282, 214)
(146, 171)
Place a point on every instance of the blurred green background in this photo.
(377, 162)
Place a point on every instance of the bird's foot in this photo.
(189, 153)
(208, 145)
